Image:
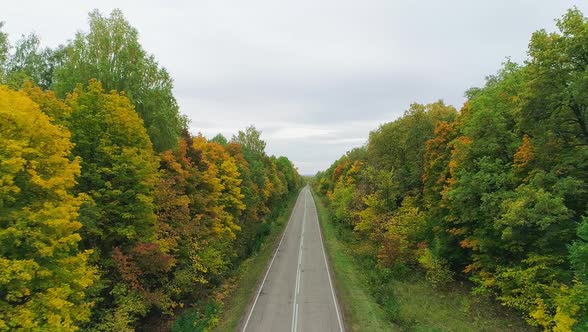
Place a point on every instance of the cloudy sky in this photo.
(314, 75)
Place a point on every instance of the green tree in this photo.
(119, 175)
(30, 62)
(558, 89)
(579, 261)
(286, 168)
(119, 168)
(220, 139)
(111, 53)
(3, 51)
(250, 139)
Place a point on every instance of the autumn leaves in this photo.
(495, 193)
(110, 210)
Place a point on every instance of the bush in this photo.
(436, 270)
(199, 320)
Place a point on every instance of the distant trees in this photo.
(496, 193)
(110, 210)
(250, 139)
(4, 45)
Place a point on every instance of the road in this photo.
(297, 292)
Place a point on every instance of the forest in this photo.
(494, 193)
(112, 214)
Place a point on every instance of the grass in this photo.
(251, 272)
(373, 300)
(423, 308)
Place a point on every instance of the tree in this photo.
(30, 62)
(119, 169)
(220, 139)
(558, 88)
(286, 168)
(3, 51)
(250, 139)
(48, 102)
(231, 198)
(579, 262)
(111, 53)
(400, 145)
(43, 276)
(118, 175)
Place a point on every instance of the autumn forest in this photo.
(494, 193)
(112, 214)
(116, 216)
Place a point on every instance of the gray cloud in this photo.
(315, 76)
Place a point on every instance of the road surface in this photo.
(297, 292)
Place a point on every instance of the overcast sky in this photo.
(314, 75)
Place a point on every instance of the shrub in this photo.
(436, 270)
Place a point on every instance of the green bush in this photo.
(199, 320)
(436, 269)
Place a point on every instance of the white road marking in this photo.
(269, 267)
(329, 275)
(295, 326)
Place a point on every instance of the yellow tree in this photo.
(217, 179)
(43, 275)
(231, 199)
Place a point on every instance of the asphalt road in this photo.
(297, 293)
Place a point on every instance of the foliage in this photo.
(111, 53)
(199, 321)
(250, 139)
(113, 215)
(30, 62)
(4, 45)
(44, 276)
(497, 192)
(119, 169)
(375, 298)
(118, 175)
(436, 269)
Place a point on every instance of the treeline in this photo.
(496, 193)
(111, 212)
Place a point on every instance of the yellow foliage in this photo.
(42, 274)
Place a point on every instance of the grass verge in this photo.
(424, 308)
(250, 273)
(373, 299)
